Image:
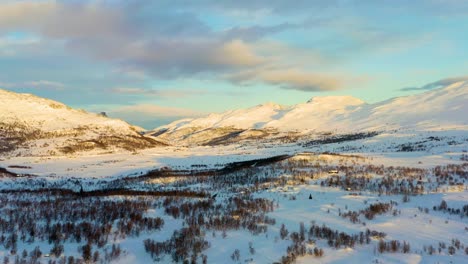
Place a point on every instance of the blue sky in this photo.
(151, 62)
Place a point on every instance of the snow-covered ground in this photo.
(448, 147)
(414, 162)
(421, 229)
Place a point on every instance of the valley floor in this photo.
(335, 203)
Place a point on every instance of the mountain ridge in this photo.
(343, 114)
(42, 126)
(35, 125)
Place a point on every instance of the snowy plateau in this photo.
(331, 180)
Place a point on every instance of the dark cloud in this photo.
(438, 84)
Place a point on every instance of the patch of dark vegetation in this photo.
(442, 247)
(342, 155)
(18, 132)
(451, 172)
(253, 163)
(159, 132)
(340, 138)
(111, 192)
(238, 135)
(421, 145)
(229, 168)
(393, 246)
(464, 157)
(338, 239)
(335, 239)
(225, 139)
(412, 147)
(129, 143)
(463, 212)
(395, 180)
(8, 144)
(19, 167)
(5, 173)
(92, 223)
(205, 215)
(289, 137)
(370, 212)
(185, 244)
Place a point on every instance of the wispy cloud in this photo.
(257, 32)
(166, 93)
(437, 84)
(41, 84)
(294, 79)
(148, 116)
(155, 111)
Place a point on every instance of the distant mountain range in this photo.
(30, 125)
(433, 110)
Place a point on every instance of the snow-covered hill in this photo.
(39, 126)
(444, 108)
(30, 125)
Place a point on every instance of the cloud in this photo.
(169, 41)
(163, 44)
(63, 19)
(155, 111)
(150, 116)
(236, 53)
(41, 84)
(257, 32)
(300, 80)
(438, 84)
(252, 6)
(292, 79)
(108, 33)
(166, 93)
(284, 7)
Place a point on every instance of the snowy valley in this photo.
(333, 180)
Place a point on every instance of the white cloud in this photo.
(166, 92)
(154, 111)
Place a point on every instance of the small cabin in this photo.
(333, 171)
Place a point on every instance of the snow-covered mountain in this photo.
(34, 125)
(433, 110)
(30, 125)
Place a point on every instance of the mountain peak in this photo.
(441, 107)
(272, 105)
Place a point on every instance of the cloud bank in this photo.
(161, 45)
